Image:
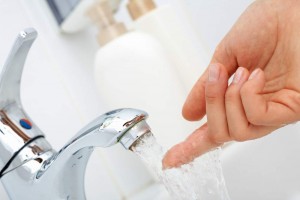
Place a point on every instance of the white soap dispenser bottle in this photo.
(182, 44)
(133, 70)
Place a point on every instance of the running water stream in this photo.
(200, 180)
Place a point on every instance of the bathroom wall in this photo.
(59, 95)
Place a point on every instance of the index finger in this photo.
(194, 107)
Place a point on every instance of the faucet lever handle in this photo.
(20, 139)
(12, 70)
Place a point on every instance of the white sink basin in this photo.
(264, 169)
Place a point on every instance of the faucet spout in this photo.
(28, 164)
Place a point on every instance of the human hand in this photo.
(265, 42)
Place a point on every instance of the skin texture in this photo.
(265, 41)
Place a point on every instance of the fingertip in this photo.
(240, 77)
(254, 103)
(254, 84)
(173, 158)
(188, 150)
(256, 74)
(194, 107)
(215, 88)
(217, 78)
(198, 143)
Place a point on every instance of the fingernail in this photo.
(238, 75)
(254, 74)
(213, 73)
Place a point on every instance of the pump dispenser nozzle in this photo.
(138, 8)
(102, 15)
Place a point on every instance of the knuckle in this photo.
(254, 119)
(239, 137)
(211, 100)
(211, 96)
(295, 103)
(219, 138)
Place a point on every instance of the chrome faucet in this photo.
(30, 168)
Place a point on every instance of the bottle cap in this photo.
(102, 15)
(138, 8)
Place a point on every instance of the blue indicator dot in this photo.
(25, 123)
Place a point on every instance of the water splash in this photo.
(200, 180)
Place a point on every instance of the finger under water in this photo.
(195, 145)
